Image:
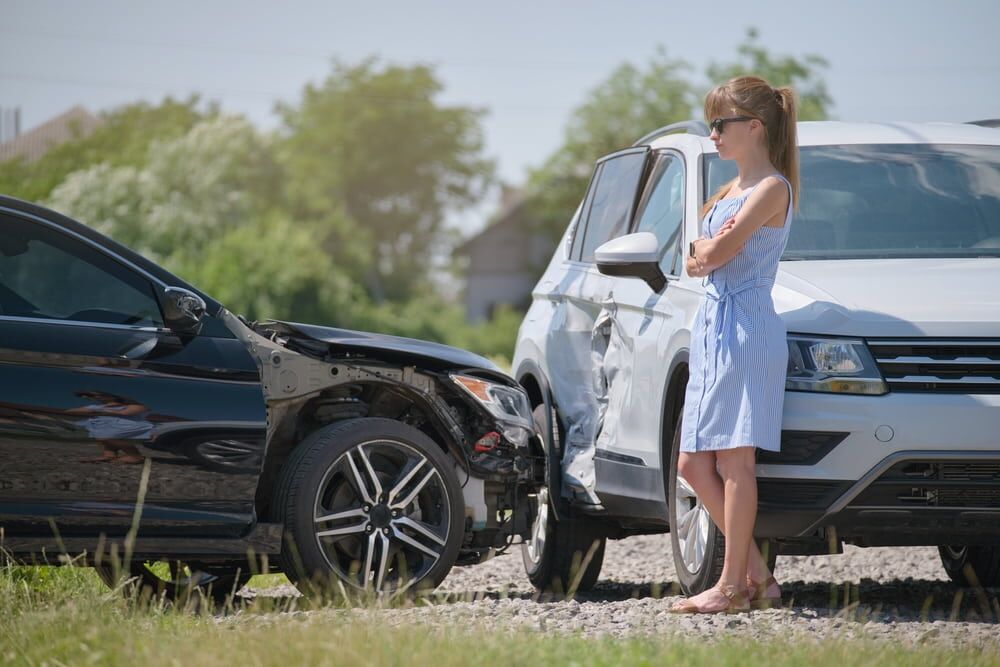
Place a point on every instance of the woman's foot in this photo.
(721, 598)
(764, 594)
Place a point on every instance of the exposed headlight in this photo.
(836, 365)
(508, 404)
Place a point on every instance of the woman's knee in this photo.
(695, 465)
(738, 463)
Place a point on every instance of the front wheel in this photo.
(563, 555)
(698, 546)
(372, 504)
(972, 565)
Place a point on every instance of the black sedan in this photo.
(146, 430)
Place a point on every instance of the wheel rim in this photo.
(536, 545)
(382, 516)
(954, 552)
(692, 524)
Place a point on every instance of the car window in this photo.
(614, 197)
(581, 223)
(890, 200)
(661, 210)
(48, 274)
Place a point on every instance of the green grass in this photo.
(66, 616)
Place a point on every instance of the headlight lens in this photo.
(508, 404)
(836, 365)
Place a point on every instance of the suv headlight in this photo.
(836, 365)
(508, 404)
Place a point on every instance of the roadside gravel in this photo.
(893, 594)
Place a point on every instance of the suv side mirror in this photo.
(182, 310)
(632, 256)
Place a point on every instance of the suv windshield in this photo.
(890, 200)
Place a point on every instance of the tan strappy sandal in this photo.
(758, 593)
(738, 602)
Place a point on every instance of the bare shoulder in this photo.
(770, 198)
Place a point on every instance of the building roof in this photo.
(72, 124)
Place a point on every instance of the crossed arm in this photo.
(768, 200)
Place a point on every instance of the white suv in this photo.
(890, 290)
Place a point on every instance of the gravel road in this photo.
(895, 594)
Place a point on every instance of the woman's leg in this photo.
(737, 469)
(699, 469)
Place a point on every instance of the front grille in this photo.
(934, 484)
(955, 365)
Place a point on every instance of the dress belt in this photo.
(724, 329)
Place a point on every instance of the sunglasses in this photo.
(718, 124)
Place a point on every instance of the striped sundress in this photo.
(739, 354)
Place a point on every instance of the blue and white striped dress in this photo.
(739, 354)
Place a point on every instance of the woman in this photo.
(738, 360)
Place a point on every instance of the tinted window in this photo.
(891, 200)
(613, 200)
(661, 210)
(44, 273)
(581, 223)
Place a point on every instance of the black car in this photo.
(141, 420)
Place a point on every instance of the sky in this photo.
(528, 63)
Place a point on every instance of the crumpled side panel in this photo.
(570, 365)
(613, 374)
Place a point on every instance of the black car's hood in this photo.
(394, 348)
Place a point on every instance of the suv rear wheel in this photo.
(983, 563)
(563, 555)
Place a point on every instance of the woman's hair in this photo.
(775, 108)
(105, 397)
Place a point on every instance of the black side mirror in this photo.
(183, 310)
(632, 256)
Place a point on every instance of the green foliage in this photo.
(635, 100)
(802, 75)
(122, 140)
(373, 142)
(630, 102)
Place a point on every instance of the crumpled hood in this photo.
(890, 297)
(396, 348)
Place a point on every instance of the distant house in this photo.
(33, 144)
(505, 260)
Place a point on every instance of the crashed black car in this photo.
(141, 422)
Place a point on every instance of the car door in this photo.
(575, 346)
(638, 328)
(94, 389)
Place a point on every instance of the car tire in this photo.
(175, 581)
(698, 546)
(983, 563)
(564, 555)
(369, 505)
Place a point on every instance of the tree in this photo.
(186, 192)
(630, 102)
(801, 75)
(372, 144)
(123, 139)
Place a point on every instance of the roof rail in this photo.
(698, 127)
(989, 122)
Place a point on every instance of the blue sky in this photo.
(529, 63)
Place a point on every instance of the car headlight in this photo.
(836, 365)
(508, 404)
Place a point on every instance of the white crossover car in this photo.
(890, 291)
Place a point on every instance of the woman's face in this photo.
(737, 137)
